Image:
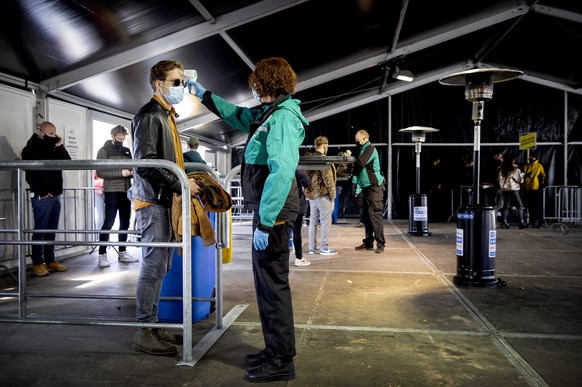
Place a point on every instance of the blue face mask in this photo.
(175, 96)
(256, 95)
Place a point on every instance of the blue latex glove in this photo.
(260, 240)
(195, 88)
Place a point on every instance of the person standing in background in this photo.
(357, 191)
(155, 137)
(46, 188)
(492, 196)
(302, 182)
(368, 176)
(510, 180)
(321, 195)
(438, 192)
(534, 183)
(116, 183)
(192, 156)
(490, 180)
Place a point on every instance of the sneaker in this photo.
(359, 225)
(256, 359)
(379, 249)
(40, 270)
(103, 262)
(56, 266)
(312, 251)
(273, 369)
(145, 341)
(302, 262)
(172, 338)
(124, 257)
(327, 251)
(363, 246)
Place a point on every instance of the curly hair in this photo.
(161, 69)
(272, 77)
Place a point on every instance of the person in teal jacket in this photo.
(367, 175)
(276, 130)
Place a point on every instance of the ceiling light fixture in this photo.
(403, 75)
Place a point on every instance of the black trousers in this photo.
(534, 201)
(271, 275)
(114, 202)
(297, 239)
(373, 206)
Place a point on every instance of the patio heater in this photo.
(417, 203)
(476, 237)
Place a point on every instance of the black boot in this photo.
(506, 225)
(522, 224)
(259, 358)
(273, 369)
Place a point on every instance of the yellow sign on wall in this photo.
(527, 141)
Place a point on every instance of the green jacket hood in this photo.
(293, 106)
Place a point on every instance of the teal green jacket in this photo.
(367, 167)
(270, 158)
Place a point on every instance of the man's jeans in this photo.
(319, 212)
(46, 212)
(154, 223)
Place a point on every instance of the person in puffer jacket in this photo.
(510, 180)
(276, 130)
(116, 182)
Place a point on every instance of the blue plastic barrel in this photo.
(203, 282)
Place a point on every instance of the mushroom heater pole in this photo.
(476, 235)
(417, 203)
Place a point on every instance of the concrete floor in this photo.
(362, 319)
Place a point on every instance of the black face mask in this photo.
(358, 144)
(118, 144)
(51, 140)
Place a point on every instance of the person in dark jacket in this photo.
(490, 181)
(116, 182)
(367, 175)
(192, 156)
(46, 188)
(155, 136)
(276, 130)
(302, 182)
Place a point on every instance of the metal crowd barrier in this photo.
(562, 205)
(239, 213)
(19, 232)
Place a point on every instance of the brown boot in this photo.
(172, 338)
(145, 341)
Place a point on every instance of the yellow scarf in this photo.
(175, 136)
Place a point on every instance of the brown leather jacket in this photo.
(213, 199)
